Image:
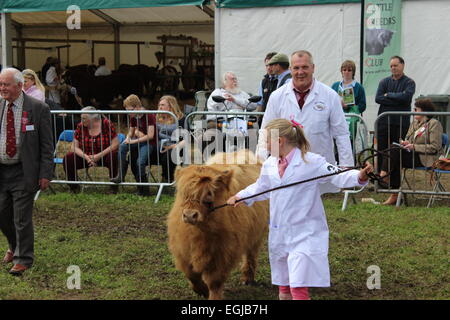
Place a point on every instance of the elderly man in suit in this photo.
(26, 165)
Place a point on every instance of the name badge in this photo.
(29, 127)
(319, 107)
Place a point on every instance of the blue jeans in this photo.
(139, 159)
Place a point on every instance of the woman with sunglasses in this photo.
(352, 94)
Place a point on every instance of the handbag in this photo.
(439, 164)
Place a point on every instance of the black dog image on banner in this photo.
(377, 40)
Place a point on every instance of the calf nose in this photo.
(190, 216)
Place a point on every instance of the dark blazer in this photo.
(36, 147)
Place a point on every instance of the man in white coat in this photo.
(316, 107)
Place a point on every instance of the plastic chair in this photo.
(65, 136)
(121, 138)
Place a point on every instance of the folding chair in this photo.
(438, 184)
(201, 99)
(438, 187)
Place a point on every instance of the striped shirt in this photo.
(17, 109)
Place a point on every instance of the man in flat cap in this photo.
(280, 66)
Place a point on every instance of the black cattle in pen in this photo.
(100, 91)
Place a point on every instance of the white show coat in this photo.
(322, 119)
(298, 231)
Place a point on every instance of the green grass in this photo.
(120, 244)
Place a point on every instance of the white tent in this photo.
(331, 32)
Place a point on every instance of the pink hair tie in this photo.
(296, 124)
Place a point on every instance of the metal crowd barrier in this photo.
(360, 141)
(222, 131)
(438, 189)
(64, 123)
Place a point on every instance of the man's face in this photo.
(9, 89)
(302, 71)
(397, 68)
(231, 81)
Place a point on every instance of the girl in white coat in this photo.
(298, 231)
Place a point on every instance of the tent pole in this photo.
(117, 46)
(6, 27)
(361, 50)
(217, 70)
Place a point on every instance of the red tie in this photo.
(10, 133)
(301, 99)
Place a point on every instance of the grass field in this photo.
(119, 242)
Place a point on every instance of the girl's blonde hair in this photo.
(30, 74)
(132, 101)
(293, 133)
(174, 108)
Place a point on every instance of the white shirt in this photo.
(322, 119)
(102, 71)
(17, 109)
(51, 77)
(241, 102)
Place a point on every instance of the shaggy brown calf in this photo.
(207, 244)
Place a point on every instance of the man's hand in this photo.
(363, 173)
(229, 97)
(43, 184)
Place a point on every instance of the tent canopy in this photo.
(9, 6)
(274, 3)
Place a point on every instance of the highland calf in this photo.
(208, 244)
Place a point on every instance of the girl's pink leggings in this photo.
(297, 293)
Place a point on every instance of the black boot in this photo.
(122, 173)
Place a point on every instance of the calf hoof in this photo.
(248, 282)
(201, 290)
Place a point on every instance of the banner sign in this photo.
(382, 40)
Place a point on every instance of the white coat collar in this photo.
(291, 94)
(291, 168)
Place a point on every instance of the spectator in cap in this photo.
(280, 67)
(268, 83)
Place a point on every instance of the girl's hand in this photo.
(404, 142)
(127, 140)
(232, 201)
(363, 173)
